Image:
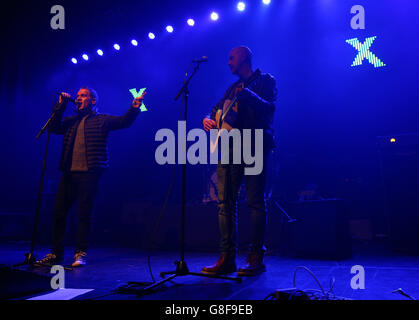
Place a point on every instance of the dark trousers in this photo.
(230, 177)
(74, 186)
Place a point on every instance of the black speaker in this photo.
(399, 162)
(16, 283)
(321, 230)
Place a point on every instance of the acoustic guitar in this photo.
(229, 106)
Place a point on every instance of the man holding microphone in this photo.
(84, 158)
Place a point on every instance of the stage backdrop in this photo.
(329, 110)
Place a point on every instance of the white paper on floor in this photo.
(62, 294)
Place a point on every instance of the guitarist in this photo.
(255, 94)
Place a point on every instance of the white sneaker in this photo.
(79, 259)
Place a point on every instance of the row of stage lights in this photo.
(241, 6)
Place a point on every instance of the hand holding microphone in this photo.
(65, 98)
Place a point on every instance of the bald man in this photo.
(256, 93)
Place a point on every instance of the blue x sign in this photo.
(364, 52)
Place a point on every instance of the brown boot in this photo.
(225, 264)
(254, 265)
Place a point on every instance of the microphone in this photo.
(203, 59)
(68, 99)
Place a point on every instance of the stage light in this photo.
(116, 46)
(134, 42)
(214, 16)
(241, 6)
(151, 35)
(266, 2)
(99, 52)
(392, 140)
(169, 29)
(85, 57)
(74, 60)
(191, 22)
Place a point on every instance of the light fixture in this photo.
(241, 6)
(214, 16)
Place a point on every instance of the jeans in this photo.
(230, 177)
(74, 186)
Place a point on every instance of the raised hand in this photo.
(137, 102)
(64, 96)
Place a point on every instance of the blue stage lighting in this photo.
(85, 57)
(191, 22)
(74, 60)
(266, 2)
(151, 35)
(134, 42)
(116, 46)
(214, 16)
(241, 6)
(169, 29)
(99, 52)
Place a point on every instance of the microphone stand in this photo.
(181, 267)
(30, 258)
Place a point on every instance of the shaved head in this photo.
(244, 52)
(240, 61)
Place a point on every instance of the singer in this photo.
(84, 158)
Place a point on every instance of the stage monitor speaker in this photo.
(15, 283)
(399, 162)
(321, 230)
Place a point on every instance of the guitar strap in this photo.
(229, 116)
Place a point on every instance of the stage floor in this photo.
(110, 267)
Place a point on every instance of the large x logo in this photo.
(364, 52)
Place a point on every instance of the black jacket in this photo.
(256, 105)
(97, 127)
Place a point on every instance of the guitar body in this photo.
(230, 106)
